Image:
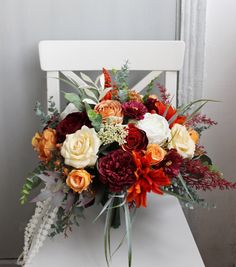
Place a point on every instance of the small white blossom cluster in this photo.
(110, 133)
(37, 230)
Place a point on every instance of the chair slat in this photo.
(53, 88)
(94, 55)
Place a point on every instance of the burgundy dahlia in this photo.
(116, 170)
(171, 163)
(134, 110)
(71, 123)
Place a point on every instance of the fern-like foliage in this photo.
(31, 182)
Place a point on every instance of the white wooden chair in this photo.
(161, 235)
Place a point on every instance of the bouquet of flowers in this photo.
(112, 146)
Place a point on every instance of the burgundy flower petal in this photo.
(116, 170)
(71, 124)
(134, 110)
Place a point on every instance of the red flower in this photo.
(136, 139)
(116, 170)
(71, 123)
(134, 110)
(108, 83)
(107, 78)
(148, 180)
(171, 163)
(200, 176)
(156, 106)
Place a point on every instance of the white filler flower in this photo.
(80, 148)
(181, 140)
(156, 128)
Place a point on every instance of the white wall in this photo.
(215, 230)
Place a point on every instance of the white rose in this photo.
(181, 140)
(156, 128)
(70, 108)
(80, 148)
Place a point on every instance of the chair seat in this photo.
(161, 235)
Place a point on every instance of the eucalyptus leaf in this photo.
(97, 80)
(123, 95)
(75, 99)
(86, 78)
(90, 93)
(102, 81)
(96, 119)
(89, 101)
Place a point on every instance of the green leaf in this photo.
(187, 107)
(31, 182)
(91, 93)
(121, 77)
(185, 186)
(122, 240)
(96, 119)
(205, 158)
(86, 78)
(105, 207)
(123, 95)
(69, 82)
(75, 99)
(107, 229)
(149, 89)
(128, 231)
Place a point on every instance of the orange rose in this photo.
(78, 180)
(156, 152)
(110, 108)
(45, 143)
(194, 135)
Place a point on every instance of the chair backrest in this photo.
(69, 56)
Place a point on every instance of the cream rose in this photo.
(156, 128)
(80, 148)
(181, 141)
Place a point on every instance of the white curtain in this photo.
(192, 31)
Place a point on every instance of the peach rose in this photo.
(79, 180)
(157, 153)
(194, 135)
(45, 143)
(110, 108)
